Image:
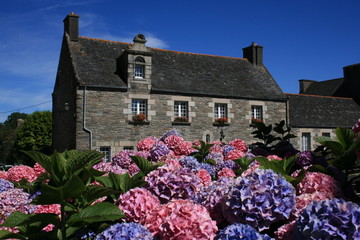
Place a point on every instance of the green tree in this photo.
(34, 134)
(8, 135)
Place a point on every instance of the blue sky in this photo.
(301, 39)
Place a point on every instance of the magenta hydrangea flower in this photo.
(319, 182)
(210, 197)
(187, 220)
(109, 167)
(183, 148)
(304, 158)
(146, 144)
(226, 172)
(204, 177)
(273, 157)
(53, 208)
(38, 169)
(172, 183)
(259, 199)
(15, 200)
(17, 173)
(286, 231)
(173, 140)
(331, 219)
(3, 175)
(123, 159)
(239, 144)
(136, 203)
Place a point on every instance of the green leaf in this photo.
(345, 136)
(76, 160)
(99, 212)
(243, 162)
(122, 183)
(95, 192)
(335, 147)
(145, 165)
(299, 178)
(16, 218)
(287, 163)
(9, 235)
(274, 165)
(210, 161)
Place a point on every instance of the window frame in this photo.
(220, 110)
(306, 141)
(107, 152)
(257, 112)
(181, 109)
(139, 107)
(139, 70)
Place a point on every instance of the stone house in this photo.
(101, 85)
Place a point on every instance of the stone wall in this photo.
(108, 117)
(314, 133)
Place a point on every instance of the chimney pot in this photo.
(254, 54)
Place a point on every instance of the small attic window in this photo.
(139, 67)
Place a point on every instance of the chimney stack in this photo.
(71, 26)
(254, 54)
(304, 84)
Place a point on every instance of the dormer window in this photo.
(139, 67)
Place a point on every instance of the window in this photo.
(138, 106)
(208, 138)
(139, 67)
(220, 110)
(181, 109)
(325, 134)
(257, 112)
(107, 152)
(306, 142)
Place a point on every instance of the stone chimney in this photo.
(351, 85)
(254, 54)
(71, 26)
(304, 84)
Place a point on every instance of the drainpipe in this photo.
(84, 119)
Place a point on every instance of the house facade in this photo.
(101, 85)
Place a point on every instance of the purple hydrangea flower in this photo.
(304, 158)
(5, 185)
(15, 200)
(356, 127)
(210, 197)
(168, 133)
(259, 199)
(190, 162)
(125, 231)
(330, 219)
(209, 168)
(123, 159)
(227, 149)
(217, 157)
(240, 231)
(230, 164)
(167, 184)
(159, 150)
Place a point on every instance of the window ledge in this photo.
(221, 124)
(181, 123)
(139, 123)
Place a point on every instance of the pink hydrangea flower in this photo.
(226, 172)
(146, 144)
(216, 148)
(273, 157)
(188, 221)
(303, 200)
(196, 143)
(3, 175)
(239, 144)
(183, 148)
(38, 169)
(53, 208)
(109, 167)
(180, 219)
(286, 231)
(253, 166)
(204, 177)
(234, 154)
(173, 140)
(136, 203)
(16, 173)
(319, 182)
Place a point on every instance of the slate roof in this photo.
(324, 88)
(176, 72)
(322, 111)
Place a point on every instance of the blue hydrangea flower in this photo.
(5, 185)
(227, 148)
(125, 231)
(330, 219)
(240, 231)
(170, 132)
(259, 199)
(159, 150)
(190, 162)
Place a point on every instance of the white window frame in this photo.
(139, 67)
(257, 112)
(181, 109)
(220, 110)
(306, 141)
(107, 151)
(138, 106)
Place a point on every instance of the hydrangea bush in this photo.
(170, 188)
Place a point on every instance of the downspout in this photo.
(84, 119)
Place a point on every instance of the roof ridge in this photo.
(310, 95)
(165, 50)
